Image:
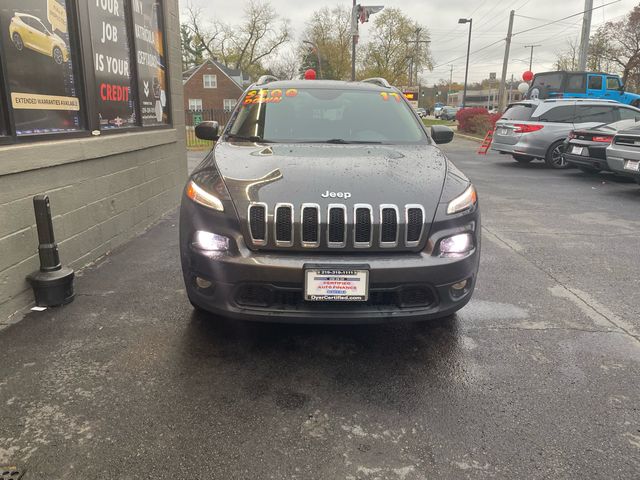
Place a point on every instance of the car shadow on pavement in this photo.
(534, 165)
(294, 363)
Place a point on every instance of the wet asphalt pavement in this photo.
(537, 378)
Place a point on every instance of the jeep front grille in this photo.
(414, 218)
(310, 231)
(388, 226)
(258, 223)
(337, 226)
(284, 224)
(363, 228)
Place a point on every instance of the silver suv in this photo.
(537, 128)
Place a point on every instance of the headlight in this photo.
(211, 242)
(456, 245)
(201, 196)
(465, 201)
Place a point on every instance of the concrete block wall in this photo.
(104, 190)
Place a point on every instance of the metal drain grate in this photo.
(10, 473)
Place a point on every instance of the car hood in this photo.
(311, 173)
(298, 173)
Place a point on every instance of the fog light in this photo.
(460, 285)
(202, 282)
(456, 245)
(211, 242)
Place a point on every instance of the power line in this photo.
(565, 18)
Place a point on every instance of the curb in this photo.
(469, 137)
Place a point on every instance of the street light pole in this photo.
(315, 47)
(466, 70)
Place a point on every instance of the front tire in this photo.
(522, 158)
(17, 41)
(57, 56)
(554, 157)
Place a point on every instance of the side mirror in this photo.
(441, 134)
(208, 131)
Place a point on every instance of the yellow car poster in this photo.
(40, 71)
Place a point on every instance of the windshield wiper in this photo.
(343, 141)
(248, 138)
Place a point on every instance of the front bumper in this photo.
(268, 286)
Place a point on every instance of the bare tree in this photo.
(393, 46)
(262, 32)
(245, 46)
(623, 47)
(329, 29)
(285, 66)
(568, 59)
(206, 37)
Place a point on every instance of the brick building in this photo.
(212, 86)
(99, 129)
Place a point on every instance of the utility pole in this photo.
(354, 36)
(503, 78)
(586, 31)
(531, 57)
(413, 65)
(450, 83)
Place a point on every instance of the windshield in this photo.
(518, 111)
(326, 115)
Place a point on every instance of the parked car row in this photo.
(448, 113)
(593, 135)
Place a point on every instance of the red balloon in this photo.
(527, 76)
(310, 74)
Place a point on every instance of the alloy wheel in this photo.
(557, 159)
(17, 41)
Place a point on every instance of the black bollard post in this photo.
(52, 284)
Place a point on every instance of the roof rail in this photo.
(577, 99)
(381, 82)
(266, 79)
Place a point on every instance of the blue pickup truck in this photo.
(580, 85)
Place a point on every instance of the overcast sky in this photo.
(449, 39)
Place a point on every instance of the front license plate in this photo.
(577, 150)
(336, 285)
(633, 165)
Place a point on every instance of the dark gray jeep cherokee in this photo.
(328, 202)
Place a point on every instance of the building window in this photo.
(210, 81)
(229, 103)
(112, 57)
(151, 61)
(124, 66)
(195, 104)
(43, 86)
